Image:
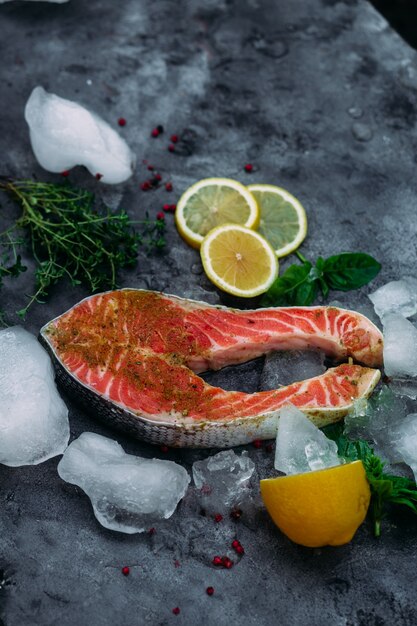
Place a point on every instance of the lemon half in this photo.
(320, 508)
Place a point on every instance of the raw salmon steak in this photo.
(133, 356)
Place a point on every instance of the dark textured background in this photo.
(321, 97)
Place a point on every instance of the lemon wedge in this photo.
(283, 219)
(239, 260)
(320, 508)
(211, 202)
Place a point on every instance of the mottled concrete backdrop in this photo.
(321, 97)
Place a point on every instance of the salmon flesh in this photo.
(133, 357)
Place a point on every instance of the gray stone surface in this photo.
(321, 97)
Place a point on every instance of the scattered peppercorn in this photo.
(257, 443)
(65, 173)
(174, 138)
(121, 121)
(161, 216)
(217, 560)
(210, 591)
(226, 562)
(218, 517)
(168, 186)
(99, 176)
(176, 610)
(158, 177)
(125, 570)
(236, 514)
(151, 168)
(171, 147)
(248, 168)
(145, 186)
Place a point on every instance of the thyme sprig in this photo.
(69, 237)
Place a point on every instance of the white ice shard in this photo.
(65, 134)
(223, 480)
(33, 418)
(301, 446)
(289, 366)
(400, 347)
(404, 441)
(397, 296)
(128, 493)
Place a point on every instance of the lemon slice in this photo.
(239, 260)
(320, 508)
(283, 219)
(211, 202)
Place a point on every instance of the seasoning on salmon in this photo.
(134, 355)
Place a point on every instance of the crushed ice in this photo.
(65, 134)
(394, 302)
(289, 366)
(128, 493)
(301, 446)
(397, 296)
(222, 481)
(33, 418)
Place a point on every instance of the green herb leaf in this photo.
(299, 284)
(294, 287)
(385, 488)
(349, 270)
(70, 238)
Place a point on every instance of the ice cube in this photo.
(398, 296)
(33, 418)
(222, 480)
(404, 441)
(301, 446)
(284, 368)
(128, 493)
(377, 420)
(64, 134)
(400, 347)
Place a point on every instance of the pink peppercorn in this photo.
(99, 176)
(217, 560)
(174, 138)
(218, 517)
(65, 173)
(126, 570)
(157, 177)
(248, 168)
(226, 562)
(160, 216)
(155, 132)
(121, 121)
(210, 591)
(257, 443)
(168, 186)
(171, 147)
(176, 610)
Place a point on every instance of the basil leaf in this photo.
(293, 288)
(349, 270)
